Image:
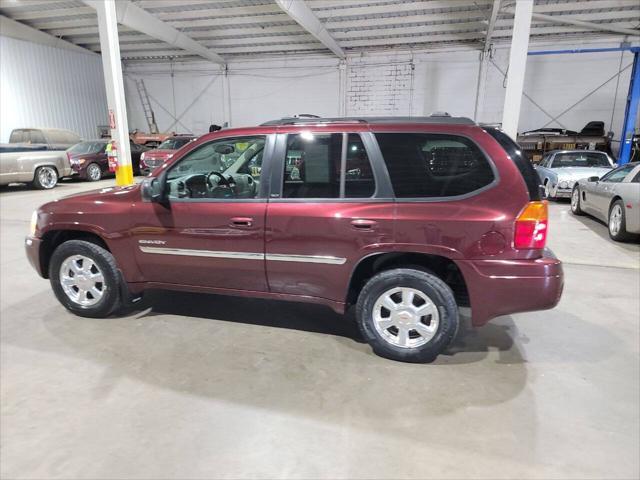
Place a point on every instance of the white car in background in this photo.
(614, 198)
(560, 170)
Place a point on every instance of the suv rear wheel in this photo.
(407, 315)
(85, 279)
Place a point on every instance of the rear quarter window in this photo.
(426, 165)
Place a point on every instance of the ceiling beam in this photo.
(13, 29)
(304, 16)
(135, 17)
(605, 27)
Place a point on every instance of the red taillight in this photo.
(531, 226)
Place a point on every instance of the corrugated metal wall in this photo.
(43, 86)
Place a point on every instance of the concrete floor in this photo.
(210, 387)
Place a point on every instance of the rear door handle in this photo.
(241, 222)
(363, 224)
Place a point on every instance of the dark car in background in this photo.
(89, 160)
(152, 159)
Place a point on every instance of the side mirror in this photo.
(224, 149)
(152, 190)
(593, 179)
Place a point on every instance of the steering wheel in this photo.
(223, 182)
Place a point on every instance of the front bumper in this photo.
(502, 287)
(32, 247)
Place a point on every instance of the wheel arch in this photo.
(444, 267)
(52, 239)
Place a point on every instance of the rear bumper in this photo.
(32, 247)
(502, 287)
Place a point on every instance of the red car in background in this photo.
(151, 160)
(89, 159)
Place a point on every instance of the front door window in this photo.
(228, 168)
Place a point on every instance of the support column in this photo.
(342, 101)
(114, 84)
(481, 84)
(226, 92)
(631, 112)
(517, 66)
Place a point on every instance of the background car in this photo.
(560, 170)
(614, 198)
(21, 163)
(89, 159)
(152, 159)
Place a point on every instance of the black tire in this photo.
(104, 261)
(45, 178)
(622, 235)
(94, 167)
(576, 205)
(430, 285)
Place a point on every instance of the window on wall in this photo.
(313, 166)
(433, 165)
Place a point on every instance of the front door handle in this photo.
(241, 222)
(363, 224)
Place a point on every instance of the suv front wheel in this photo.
(407, 315)
(85, 279)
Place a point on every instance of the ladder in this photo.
(146, 106)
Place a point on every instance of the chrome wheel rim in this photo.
(47, 177)
(93, 171)
(575, 199)
(405, 317)
(615, 220)
(82, 281)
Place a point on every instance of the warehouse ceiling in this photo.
(239, 28)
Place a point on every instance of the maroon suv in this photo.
(407, 219)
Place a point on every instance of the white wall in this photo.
(44, 86)
(387, 84)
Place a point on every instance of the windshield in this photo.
(580, 159)
(84, 148)
(173, 143)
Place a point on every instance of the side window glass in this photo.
(312, 166)
(37, 137)
(359, 181)
(218, 170)
(433, 165)
(18, 136)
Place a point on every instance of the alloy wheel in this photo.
(405, 317)
(82, 281)
(93, 172)
(575, 199)
(47, 177)
(615, 220)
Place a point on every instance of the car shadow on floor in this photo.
(470, 344)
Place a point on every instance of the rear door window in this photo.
(313, 167)
(425, 165)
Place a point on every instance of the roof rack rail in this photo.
(438, 118)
